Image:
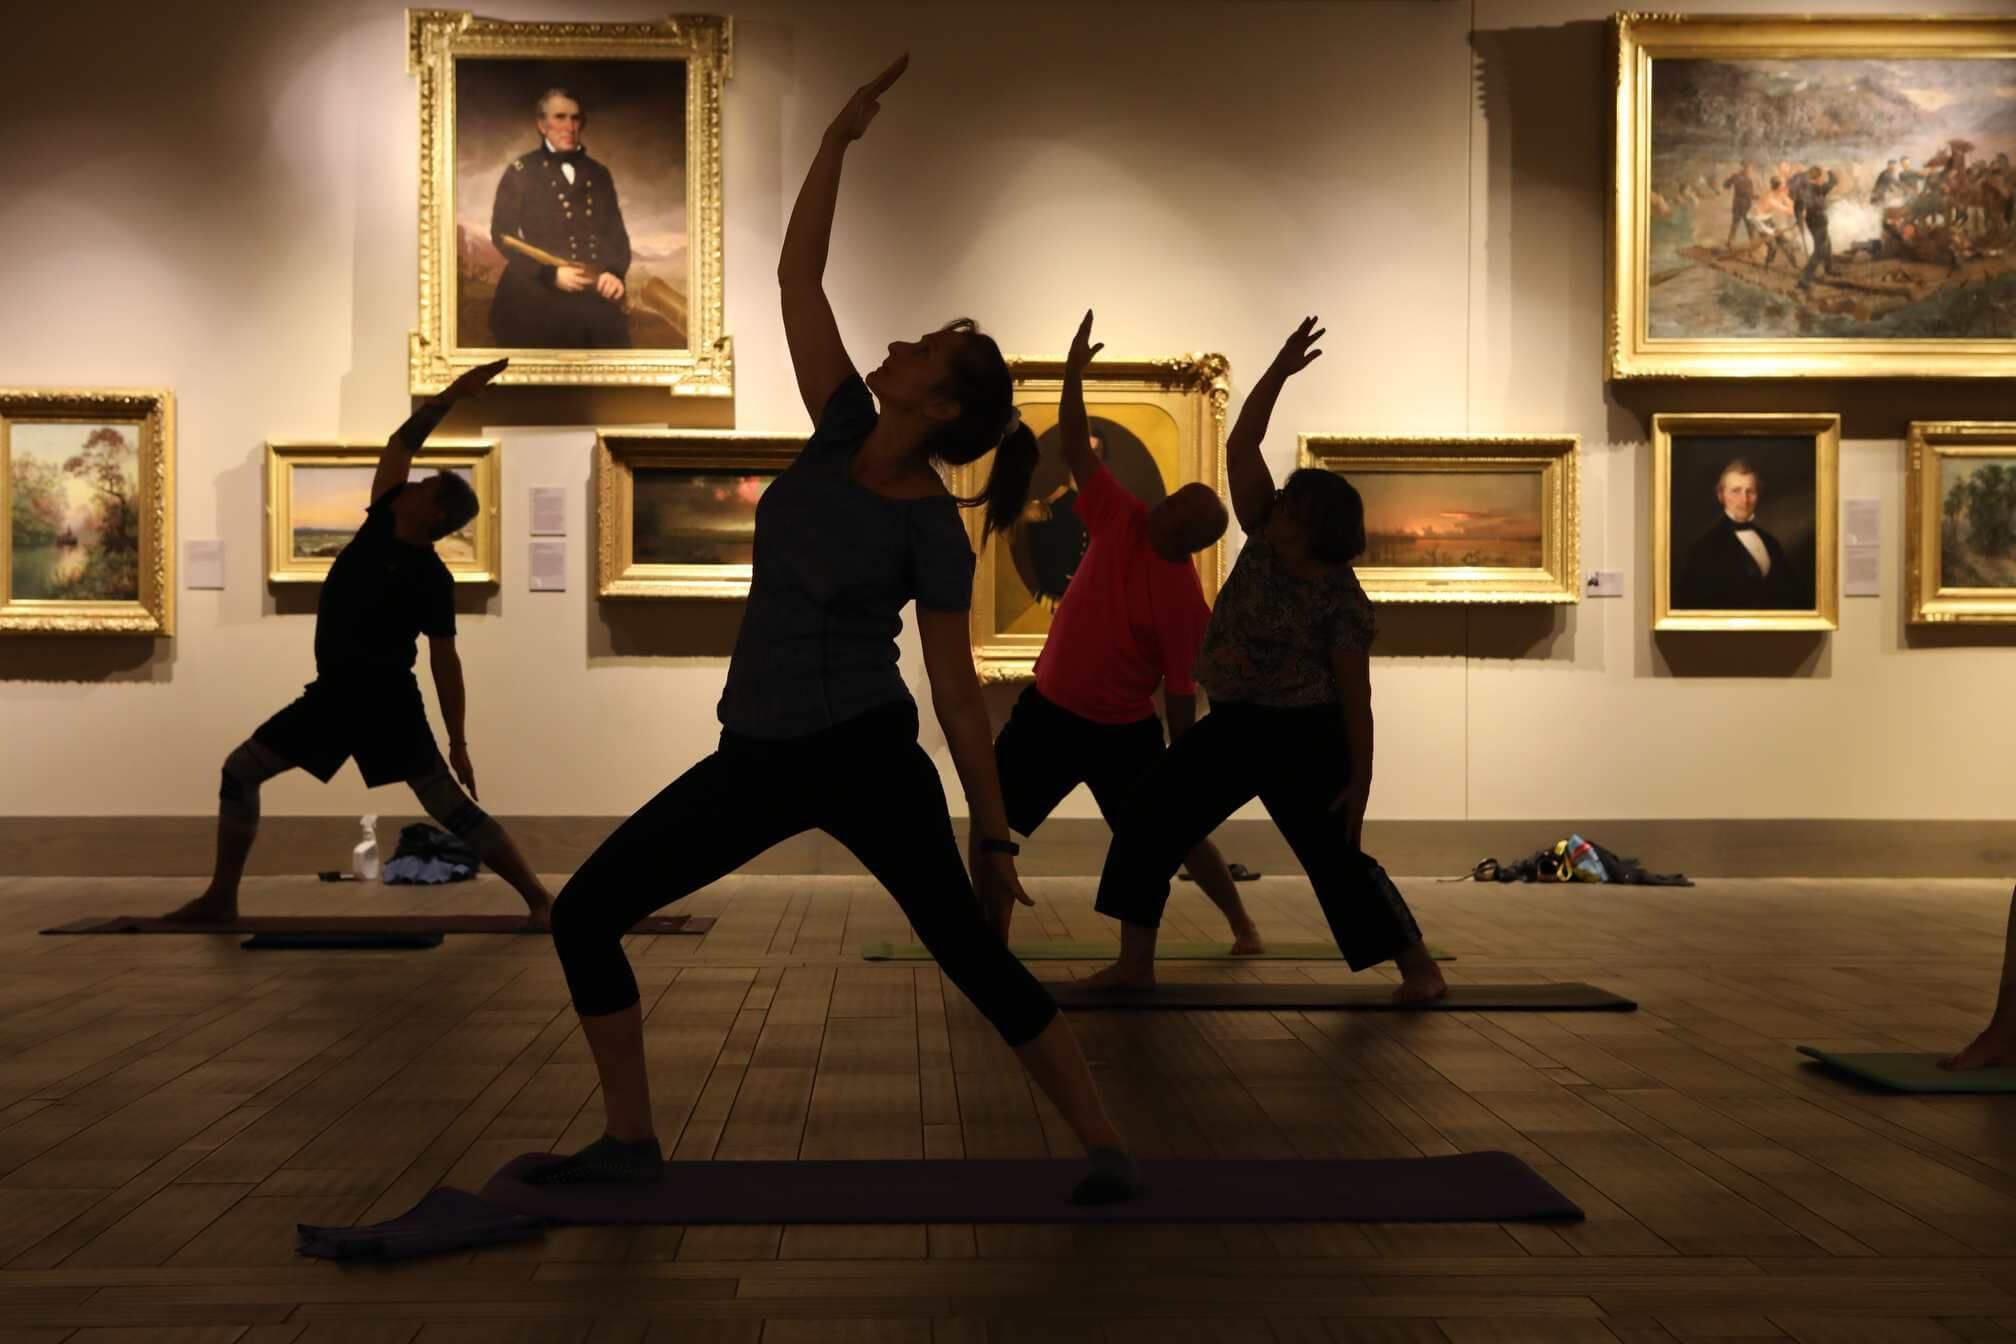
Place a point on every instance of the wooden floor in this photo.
(171, 1106)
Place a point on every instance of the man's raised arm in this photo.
(395, 463)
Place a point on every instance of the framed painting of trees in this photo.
(87, 528)
(1960, 522)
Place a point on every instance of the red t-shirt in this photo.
(1129, 620)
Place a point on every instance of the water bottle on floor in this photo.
(364, 858)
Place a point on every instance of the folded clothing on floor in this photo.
(428, 855)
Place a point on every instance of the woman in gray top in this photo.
(1287, 664)
(818, 729)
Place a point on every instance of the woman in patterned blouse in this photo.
(1287, 665)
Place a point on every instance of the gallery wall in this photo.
(220, 200)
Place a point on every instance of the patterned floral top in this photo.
(1272, 633)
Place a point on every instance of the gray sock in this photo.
(605, 1161)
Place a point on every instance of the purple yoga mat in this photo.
(1487, 1187)
(441, 923)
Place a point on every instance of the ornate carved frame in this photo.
(1555, 459)
(154, 611)
(1637, 40)
(1933, 601)
(436, 40)
(282, 455)
(618, 454)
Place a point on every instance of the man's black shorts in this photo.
(380, 721)
(1046, 751)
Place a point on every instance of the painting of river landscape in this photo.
(1438, 519)
(74, 511)
(328, 503)
(1832, 199)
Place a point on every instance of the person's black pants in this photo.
(867, 784)
(1296, 762)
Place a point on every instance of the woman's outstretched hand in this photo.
(852, 123)
(1298, 352)
(1082, 349)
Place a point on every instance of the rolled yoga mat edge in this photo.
(657, 925)
(1468, 1187)
(1065, 949)
(1376, 996)
(1906, 1072)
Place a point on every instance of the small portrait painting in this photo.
(1748, 518)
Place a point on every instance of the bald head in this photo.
(1186, 522)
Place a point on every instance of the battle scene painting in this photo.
(1831, 199)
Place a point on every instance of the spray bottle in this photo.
(364, 858)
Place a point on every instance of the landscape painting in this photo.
(317, 494)
(1827, 198)
(700, 517)
(1960, 522)
(1469, 519)
(74, 510)
(1434, 519)
(87, 512)
(675, 509)
(329, 502)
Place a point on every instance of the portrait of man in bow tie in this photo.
(1735, 564)
(570, 206)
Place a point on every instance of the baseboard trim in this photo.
(182, 846)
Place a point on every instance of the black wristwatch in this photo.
(989, 845)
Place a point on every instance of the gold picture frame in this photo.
(619, 456)
(437, 40)
(1496, 560)
(80, 536)
(305, 528)
(1795, 455)
(1168, 413)
(1901, 252)
(1938, 517)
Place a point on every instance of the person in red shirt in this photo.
(1132, 619)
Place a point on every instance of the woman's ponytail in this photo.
(1008, 483)
(985, 391)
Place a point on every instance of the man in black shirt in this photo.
(1811, 199)
(386, 589)
(1744, 188)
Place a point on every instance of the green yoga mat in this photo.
(1915, 1073)
(1061, 949)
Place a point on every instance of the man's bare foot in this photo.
(1993, 1048)
(1420, 987)
(1121, 976)
(1246, 942)
(210, 908)
(541, 917)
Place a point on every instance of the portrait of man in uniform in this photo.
(558, 225)
(571, 206)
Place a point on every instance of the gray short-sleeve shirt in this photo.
(834, 565)
(1272, 634)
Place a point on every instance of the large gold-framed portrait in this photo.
(87, 512)
(1158, 424)
(570, 201)
(1463, 518)
(675, 509)
(1795, 196)
(1960, 522)
(1744, 521)
(317, 493)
